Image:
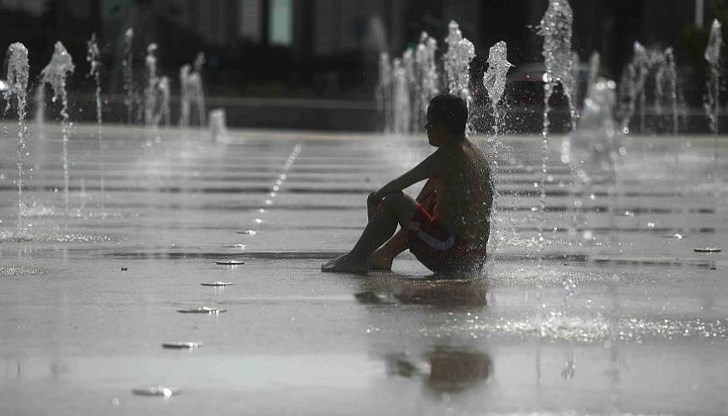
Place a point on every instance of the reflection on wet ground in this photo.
(618, 315)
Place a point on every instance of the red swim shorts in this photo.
(439, 249)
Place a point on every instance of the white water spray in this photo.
(150, 90)
(494, 79)
(197, 90)
(712, 56)
(163, 115)
(17, 87)
(384, 91)
(401, 98)
(426, 70)
(128, 74)
(460, 51)
(54, 74)
(456, 61)
(93, 57)
(556, 29)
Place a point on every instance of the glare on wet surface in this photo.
(616, 317)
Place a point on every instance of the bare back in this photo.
(465, 197)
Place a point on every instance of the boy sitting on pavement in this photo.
(448, 225)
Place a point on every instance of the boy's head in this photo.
(446, 118)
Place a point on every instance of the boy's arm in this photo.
(426, 169)
(427, 190)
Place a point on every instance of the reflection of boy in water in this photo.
(450, 370)
(447, 227)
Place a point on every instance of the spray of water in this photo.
(632, 87)
(595, 63)
(150, 90)
(197, 90)
(412, 90)
(401, 97)
(54, 74)
(384, 90)
(163, 115)
(556, 28)
(712, 99)
(128, 74)
(456, 61)
(426, 71)
(593, 151)
(671, 79)
(712, 56)
(93, 57)
(16, 60)
(192, 91)
(494, 80)
(185, 99)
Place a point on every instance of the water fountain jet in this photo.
(128, 74)
(150, 90)
(17, 87)
(428, 85)
(93, 57)
(494, 79)
(456, 62)
(54, 74)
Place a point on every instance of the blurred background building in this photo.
(275, 54)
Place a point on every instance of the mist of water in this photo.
(672, 93)
(163, 115)
(152, 85)
(712, 56)
(54, 74)
(456, 62)
(632, 86)
(556, 28)
(426, 72)
(494, 80)
(93, 57)
(197, 90)
(18, 68)
(185, 100)
(401, 98)
(127, 64)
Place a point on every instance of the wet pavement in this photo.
(613, 313)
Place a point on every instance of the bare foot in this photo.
(380, 262)
(347, 263)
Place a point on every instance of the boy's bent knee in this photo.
(395, 199)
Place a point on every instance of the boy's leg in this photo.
(383, 257)
(395, 209)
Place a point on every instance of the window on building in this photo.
(280, 22)
(250, 26)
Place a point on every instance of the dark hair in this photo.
(451, 110)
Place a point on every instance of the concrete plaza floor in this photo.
(614, 313)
